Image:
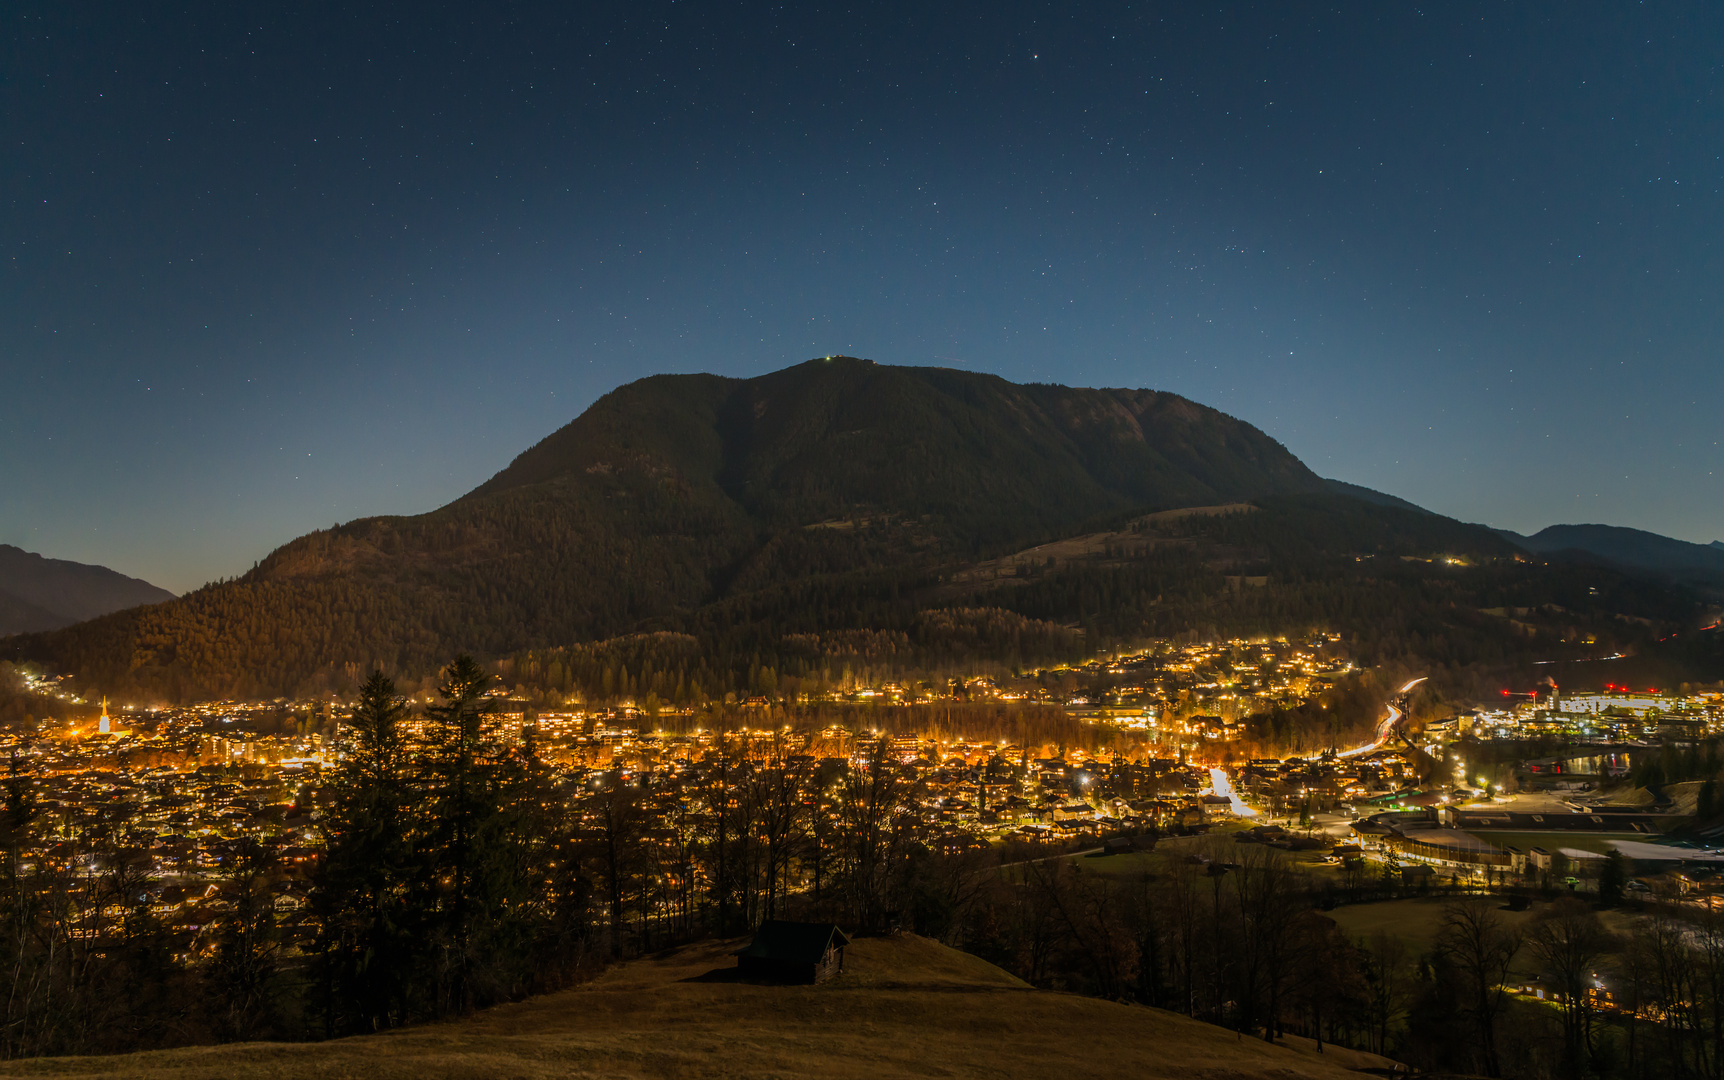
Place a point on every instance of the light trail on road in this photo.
(1220, 785)
(1387, 727)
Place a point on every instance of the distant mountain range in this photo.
(1615, 545)
(698, 533)
(1635, 549)
(38, 593)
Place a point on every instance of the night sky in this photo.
(264, 272)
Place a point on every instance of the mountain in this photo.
(42, 594)
(1633, 548)
(679, 491)
(904, 1006)
(1370, 495)
(694, 535)
(19, 616)
(985, 457)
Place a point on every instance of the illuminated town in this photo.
(182, 787)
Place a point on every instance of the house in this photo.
(1417, 874)
(794, 952)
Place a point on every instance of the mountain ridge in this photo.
(1371, 495)
(692, 537)
(40, 593)
(760, 438)
(1621, 545)
(679, 491)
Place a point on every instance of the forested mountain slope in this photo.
(691, 535)
(1637, 549)
(679, 492)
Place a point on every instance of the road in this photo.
(1219, 784)
(1386, 729)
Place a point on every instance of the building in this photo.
(794, 952)
(1417, 874)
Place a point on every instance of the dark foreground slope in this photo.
(38, 593)
(903, 1007)
(677, 492)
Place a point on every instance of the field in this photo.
(1219, 844)
(1416, 922)
(904, 1006)
(1124, 866)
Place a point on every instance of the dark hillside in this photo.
(1450, 600)
(988, 460)
(675, 493)
(1632, 548)
(20, 616)
(904, 1006)
(694, 535)
(38, 593)
(1371, 495)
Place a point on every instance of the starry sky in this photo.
(265, 270)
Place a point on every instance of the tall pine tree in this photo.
(469, 851)
(365, 943)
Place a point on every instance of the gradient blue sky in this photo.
(266, 272)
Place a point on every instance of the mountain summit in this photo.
(842, 435)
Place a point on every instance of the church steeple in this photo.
(103, 726)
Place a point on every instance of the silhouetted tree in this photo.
(1480, 949)
(365, 942)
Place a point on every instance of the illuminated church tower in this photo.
(103, 727)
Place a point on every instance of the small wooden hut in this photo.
(794, 952)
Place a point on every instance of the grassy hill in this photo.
(903, 1007)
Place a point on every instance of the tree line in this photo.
(1548, 985)
(527, 574)
(456, 870)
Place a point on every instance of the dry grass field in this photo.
(1415, 922)
(1418, 921)
(903, 1007)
